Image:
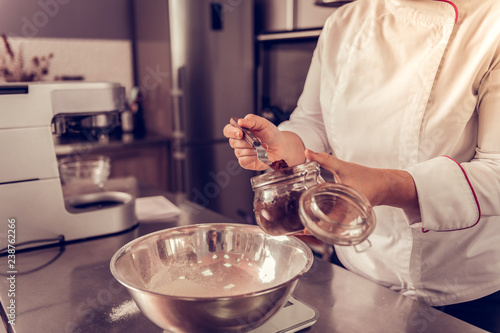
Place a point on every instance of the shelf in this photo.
(289, 35)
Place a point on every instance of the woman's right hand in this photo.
(269, 135)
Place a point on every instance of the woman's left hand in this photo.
(371, 182)
(390, 187)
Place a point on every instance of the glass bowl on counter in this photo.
(86, 169)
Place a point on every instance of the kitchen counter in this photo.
(71, 289)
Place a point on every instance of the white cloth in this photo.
(399, 84)
(155, 208)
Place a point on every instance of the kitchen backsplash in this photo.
(91, 59)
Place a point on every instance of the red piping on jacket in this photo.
(454, 7)
(475, 198)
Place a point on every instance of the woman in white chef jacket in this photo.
(405, 96)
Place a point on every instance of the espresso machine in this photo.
(31, 192)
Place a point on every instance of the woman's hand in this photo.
(380, 186)
(279, 145)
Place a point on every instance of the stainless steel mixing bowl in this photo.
(211, 277)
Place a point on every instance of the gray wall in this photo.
(102, 19)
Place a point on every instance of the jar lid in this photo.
(284, 174)
(336, 214)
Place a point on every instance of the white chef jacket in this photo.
(415, 85)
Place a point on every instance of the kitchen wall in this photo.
(88, 38)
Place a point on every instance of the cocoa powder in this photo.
(280, 215)
(278, 165)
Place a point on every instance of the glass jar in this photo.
(290, 199)
(337, 214)
(277, 194)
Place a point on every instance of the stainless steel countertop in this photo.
(72, 290)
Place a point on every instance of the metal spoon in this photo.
(254, 141)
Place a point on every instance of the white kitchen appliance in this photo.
(31, 193)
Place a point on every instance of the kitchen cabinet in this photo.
(145, 159)
(147, 163)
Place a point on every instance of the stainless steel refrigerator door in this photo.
(212, 55)
(212, 52)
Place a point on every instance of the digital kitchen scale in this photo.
(293, 317)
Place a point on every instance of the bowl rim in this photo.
(119, 277)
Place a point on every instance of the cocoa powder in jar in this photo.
(280, 215)
(277, 196)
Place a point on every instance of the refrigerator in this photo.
(195, 65)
